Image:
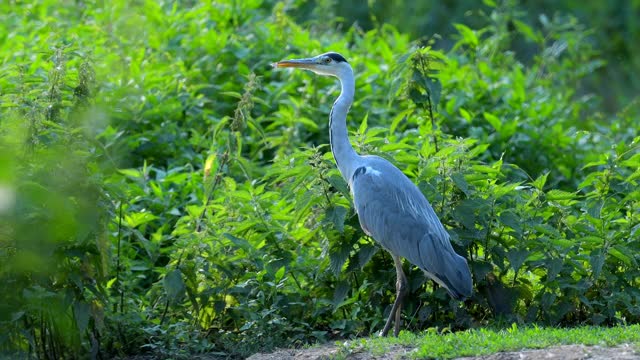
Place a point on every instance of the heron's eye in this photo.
(326, 60)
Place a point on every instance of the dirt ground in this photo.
(568, 352)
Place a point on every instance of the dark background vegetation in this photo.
(613, 28)
(163, 191)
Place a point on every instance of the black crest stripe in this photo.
(336, 57)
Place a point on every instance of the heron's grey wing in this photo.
(393, 211)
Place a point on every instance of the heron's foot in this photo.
(387, 326)
(398, 322)
(395, 317)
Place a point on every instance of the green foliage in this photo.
(613, 25)
(447, 345)
(53, 210)
(163, 191)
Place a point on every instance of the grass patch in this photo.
(434, 344)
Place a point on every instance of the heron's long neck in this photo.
(343, 152)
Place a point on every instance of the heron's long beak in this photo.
(308, 64)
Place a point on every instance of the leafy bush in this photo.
(160, 127)
(53, 211)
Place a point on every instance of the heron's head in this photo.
(329, 64)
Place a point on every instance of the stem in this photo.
(216, 181)
(486, 240)
(120, 287)
(424, 72)
(324, 187)
(355, 279)
(166, 304)
(444, 191)
(43, 339)
(434, 127)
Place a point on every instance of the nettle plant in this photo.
(269, 252)
(53, 237)
(230, 229)
(539, 253)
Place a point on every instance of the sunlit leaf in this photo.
(279, 274)
(493, 120)
(540, 181)
(555, 194)
(468, 35)
(623, 254)
(136, 219)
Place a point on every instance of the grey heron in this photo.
(390, 207)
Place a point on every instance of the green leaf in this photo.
(134, 174)
(633, 177)
(363, 125)
(493, 120)
(632, 162)
(341, 291)
(465, 213)
(195, 211)
(592, 240)
(594, 163)
(173, 285)
(348, 301)
(82, 313)
(509, 219)
(309, 124)
(336, 215)
(416, 95)
(279, 274)
(554, 266)
(465, 114)
(556, 194)
(481, 269)
(597, 260)
(502, 190)
(490, 3)
(484, 169)
(517, 257)
(111, 282)
(540, 181)
(460, 182)
(507, 129)
(340, 185)
(136, 219)
(402, 116)
(435, 89)
(233, 94)
(365, 253)
(622, 253)
(17, 316)
(468, 35)
(239, 242)
(338, 256)
(526, 30)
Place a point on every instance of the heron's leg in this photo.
(401, 288)
(401, 291)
